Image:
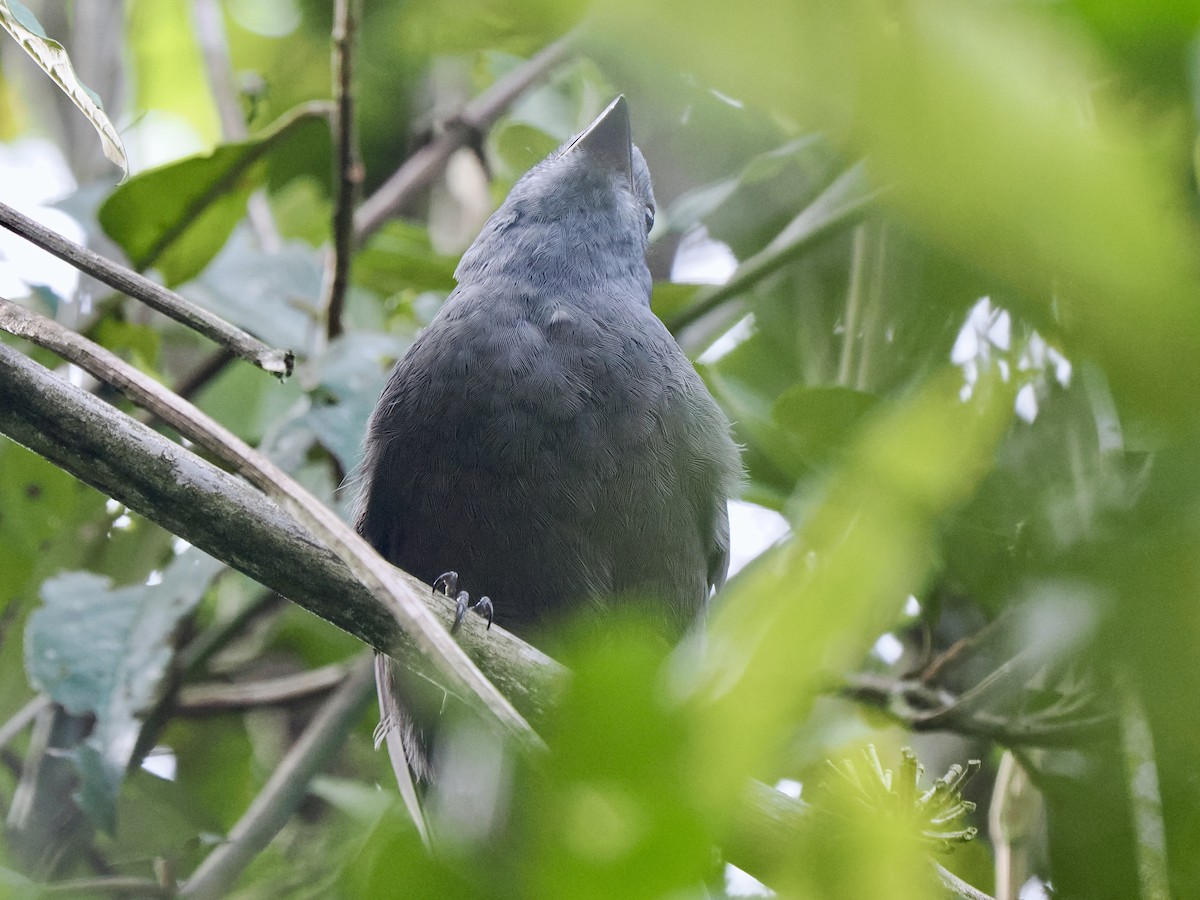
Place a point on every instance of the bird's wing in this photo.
(718, 550)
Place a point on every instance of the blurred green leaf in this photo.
(392, 862)
(217, 774)
(749, 209)
(168, 65)
(610, 812)
(399, 257)
(46, 520)
(669, 297)
(821, 418)
(858, 549)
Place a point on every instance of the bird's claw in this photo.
(447, 582)
(482, 606)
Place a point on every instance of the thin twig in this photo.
(209, 21)
(287, 786)
(190, 660)
(347, 165)
(920, 707)
(277, 362)
(959, 887)
(844, 201)
(475, 119)
(268, 692)
(90, 887)
(210, 35)
(1145, 793)
(372, 570)
(22, 717)
(871, 326)
(208, 369)
(209, 642)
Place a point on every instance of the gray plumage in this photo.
(544, 436)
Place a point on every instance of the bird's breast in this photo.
(542, 383)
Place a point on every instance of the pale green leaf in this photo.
(51, 57)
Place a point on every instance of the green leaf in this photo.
(399, 257)
(44, 514)
(177, 217)
(865, 542)
(273, 296)
(352, 372)
(670, 297)
(608, 808)
(820, 419)
(51, 58)
(520, 145)
(104, 651)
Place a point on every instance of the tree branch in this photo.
(91, 887)
(843, 202)
(130, 283)
(267, 692)
(395, 594)
(475, 119)
(919, 707)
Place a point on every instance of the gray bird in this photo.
(545, 438)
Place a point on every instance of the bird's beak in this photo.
(607, 140)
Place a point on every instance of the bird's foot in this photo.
(482, 607)
(447, 582)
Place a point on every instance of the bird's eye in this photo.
(649, 217)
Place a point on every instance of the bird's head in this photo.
(584, 211)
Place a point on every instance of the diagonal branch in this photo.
(476, 117)
(280, 690)
(130, 283)
(845, 201)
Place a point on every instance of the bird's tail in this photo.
(396, 729)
